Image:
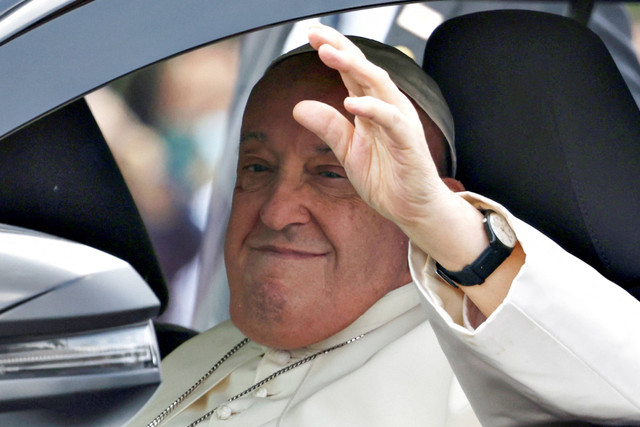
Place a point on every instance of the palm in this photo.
(383, 170)
(384, 151)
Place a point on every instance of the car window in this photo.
(166, 128)
(171, 129)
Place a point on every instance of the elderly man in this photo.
(339, 176)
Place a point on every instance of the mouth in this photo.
(288, 253)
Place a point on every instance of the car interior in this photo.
(546, 129)
(563, 115)
(97, 208)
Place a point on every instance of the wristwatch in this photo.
(502, 240)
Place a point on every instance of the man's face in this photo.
(305, 256)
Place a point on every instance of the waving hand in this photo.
(384, 151)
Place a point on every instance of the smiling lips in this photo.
(287, 253)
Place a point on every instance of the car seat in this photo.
(546, 126)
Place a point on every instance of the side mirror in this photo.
(76, 342)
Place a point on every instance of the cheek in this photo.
(391, 246)
(245, 208)
(387, 266)
(244, 213)
(370, 242)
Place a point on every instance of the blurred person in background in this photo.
(193, 96)
(142, 155)
(166, 128)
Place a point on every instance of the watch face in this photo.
(502, 230)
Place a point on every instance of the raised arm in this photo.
(386, 157)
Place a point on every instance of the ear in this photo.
(453, 184)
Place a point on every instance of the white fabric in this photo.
(563, 344)
(355, 385)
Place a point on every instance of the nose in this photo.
(286, 205)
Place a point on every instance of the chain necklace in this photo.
(197, 384)
(156, 421)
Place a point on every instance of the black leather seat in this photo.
(546, 126)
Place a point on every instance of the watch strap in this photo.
(488, 261)
(475, 273)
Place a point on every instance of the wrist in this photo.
(502, 241)
(451, 231)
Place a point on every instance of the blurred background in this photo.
(166, 126)
(171, 128)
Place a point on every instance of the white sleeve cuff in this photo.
(451, 303)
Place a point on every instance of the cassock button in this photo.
(280, 357)
(223, 412)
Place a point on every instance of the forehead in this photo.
(252, 142)
(299, 77)
(305, 77)
(268, 121)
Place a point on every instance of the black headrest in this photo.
(58, 176)
(546, 126)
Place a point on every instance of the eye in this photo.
(331, 179)
(330, 174)
(330, 171)
(256, 167)
(253, 174)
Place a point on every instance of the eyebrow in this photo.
(323, 149)
(260, 136)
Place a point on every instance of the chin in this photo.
(273, 337)
(280, 332)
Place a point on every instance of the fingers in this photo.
(338, 132)
(327, 123)
(361, 77)
(321, 34)
(394, 123)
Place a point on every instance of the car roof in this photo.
(55, 51)
(65, 53)
(7, 5)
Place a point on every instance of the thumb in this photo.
(326, 123)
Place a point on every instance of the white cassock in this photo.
(564, 344)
